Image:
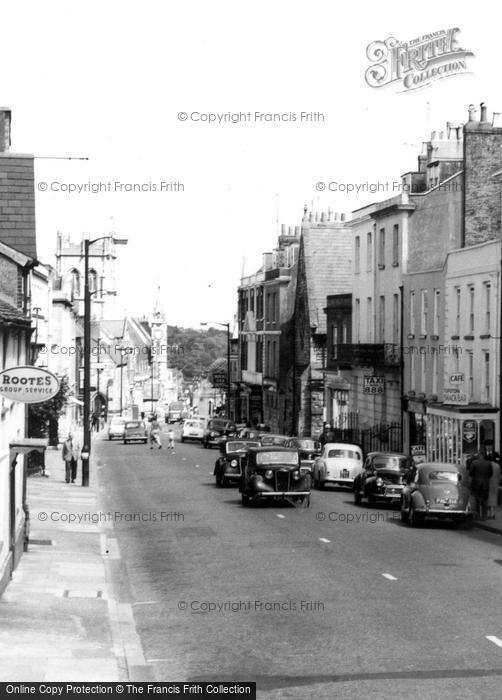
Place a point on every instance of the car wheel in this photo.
(357, 496)
(109, 437)
(371, 500)
(205, 445)
(182, 439)
(125, 442)
(244, 499)
(321, 484)
(404, 512)
(413, 518)
(304, 501)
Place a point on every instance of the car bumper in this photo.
(338, 481)
(445, 513)
(278, 494)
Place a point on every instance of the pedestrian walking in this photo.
(70, 454)
(170, 437)
(480, 471)
(489, 452)
(493, 490)
(155, 433)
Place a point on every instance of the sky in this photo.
(107, 81)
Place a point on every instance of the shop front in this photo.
(455, 432)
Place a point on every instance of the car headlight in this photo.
(213, 434)
(296, 475)
(379, 481)
(234, 463)
(269, 474)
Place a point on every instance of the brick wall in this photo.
(9, 280)
(483, 157)
(17, 203)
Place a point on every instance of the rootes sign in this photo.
(28, 384)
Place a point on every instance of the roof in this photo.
(115, 329)
(327, 255)
(10, 314)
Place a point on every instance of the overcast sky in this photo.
(107, 80)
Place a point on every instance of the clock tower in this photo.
(160, 354)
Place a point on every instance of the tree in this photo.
(43, 417)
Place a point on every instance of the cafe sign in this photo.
(28, 384)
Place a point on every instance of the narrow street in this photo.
(363, 604)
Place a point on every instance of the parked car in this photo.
(339, 464)
(274, 473)
(116, 427)
(134, 431)
(267, 439)
(228, 467)
(309, 450)
(437, 490)
(382, 478)
(193, 429)
(218, 428)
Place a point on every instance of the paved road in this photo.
(353, 605)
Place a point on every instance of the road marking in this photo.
(390, 577)
(495, 640)
(278, 515)
(323, 539)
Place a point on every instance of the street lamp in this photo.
(86, 449)
(227, 326)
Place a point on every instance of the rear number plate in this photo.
(344, 474)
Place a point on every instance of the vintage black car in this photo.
(383, 477)
(274, 473)
(228, 467)
(437, 490)
(218, 428)
(309, 450)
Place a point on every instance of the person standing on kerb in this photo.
(70, 454)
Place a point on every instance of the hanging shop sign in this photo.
(28, 384)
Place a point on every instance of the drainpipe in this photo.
(401, 357)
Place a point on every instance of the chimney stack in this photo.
(5, 122)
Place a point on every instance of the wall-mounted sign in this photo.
(28, 384)
(374, 384)
(457, 378)
(455, 397)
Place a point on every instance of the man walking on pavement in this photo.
(480, 471)
(70, 456)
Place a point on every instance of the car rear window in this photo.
(133, 424)
(239, 446)
(345, 454)
(454, 477)
(390, 462)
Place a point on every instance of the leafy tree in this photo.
(43, 417)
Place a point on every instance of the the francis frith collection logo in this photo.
(416, 63)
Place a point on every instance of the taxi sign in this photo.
(28, 384)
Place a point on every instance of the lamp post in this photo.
(227, 326)
(86, 449)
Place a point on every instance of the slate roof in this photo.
(327, 256)
(10, 314)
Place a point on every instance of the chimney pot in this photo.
(335, 216)
(283, 229)
(342, 217)
(483, 117)
(297, 230)
(472, 112)
(323, 216)
(290, 230)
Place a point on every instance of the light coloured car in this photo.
(134, 431)
(193, 429)
(116, 427)
(339, 464)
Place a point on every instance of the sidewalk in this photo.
(58, 618)
(494, 525)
